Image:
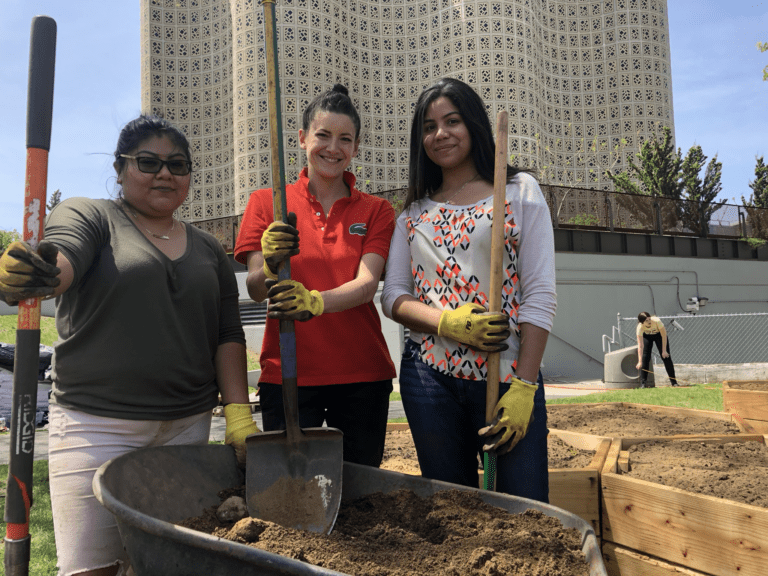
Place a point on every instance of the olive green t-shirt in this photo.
(138, 332)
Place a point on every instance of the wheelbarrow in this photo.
(150, 489)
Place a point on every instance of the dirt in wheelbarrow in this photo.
(618, 421)
(452, 533)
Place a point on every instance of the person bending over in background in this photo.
(650, 331)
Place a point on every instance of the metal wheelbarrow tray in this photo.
(150, 489)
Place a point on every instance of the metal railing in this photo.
(585, 208)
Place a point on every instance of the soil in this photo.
(735, 470)
(400, 454)
(452, 533)
(618, 421)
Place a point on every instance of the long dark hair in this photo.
(143, 127)
(335, 100)
(424, 176)
(642, 317)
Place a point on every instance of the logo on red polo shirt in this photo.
(360, 229)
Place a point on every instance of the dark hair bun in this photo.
(340, 88)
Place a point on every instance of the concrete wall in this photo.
(593, 288)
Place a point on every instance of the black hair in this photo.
(142, 128)
(425, 177)
(335, 100)
(642, 317)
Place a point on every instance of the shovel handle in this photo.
(497, 254)
(496, 281)
(280, 211)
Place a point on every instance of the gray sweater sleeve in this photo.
(398, 279)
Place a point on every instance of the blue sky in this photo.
(720, 99)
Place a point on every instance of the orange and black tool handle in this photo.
(42, 58)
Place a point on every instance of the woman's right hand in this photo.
(639, 365)
(279, 242)
(473, 325)
(25, 273)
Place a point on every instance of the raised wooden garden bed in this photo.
(648, 528)
(748, 400)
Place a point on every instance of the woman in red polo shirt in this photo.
(343, 365)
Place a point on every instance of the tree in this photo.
(757, 206)
(55, 199)
(700, 194)
(659, 171)
(6, 237)
(763, 47)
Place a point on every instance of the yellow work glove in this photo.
(240, 424)
(25, 273)
(511, 418)
(289, 300)
(279, 241)
(472, 324)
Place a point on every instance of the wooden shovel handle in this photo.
(497, 254)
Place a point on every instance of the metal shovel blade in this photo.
(295, 482)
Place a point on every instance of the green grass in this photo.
(698, 396)
(43, 545)
(8, 324)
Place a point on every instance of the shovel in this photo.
(497, 279)
(293, 476)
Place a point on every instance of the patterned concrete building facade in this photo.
(584, 82)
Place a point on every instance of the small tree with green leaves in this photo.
(6, 237)
(763, 47)
(659, 169)
(700, 194)
(757, 205)
(55, 199)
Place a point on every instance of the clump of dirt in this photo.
(734, 470)
(757, 386)
(617, 421)
(400, 454)
(452, 533)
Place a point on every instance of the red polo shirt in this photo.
(340, 347)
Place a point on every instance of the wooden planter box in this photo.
(744, 426)
(751, 406)
(681, 530)
(575, 490)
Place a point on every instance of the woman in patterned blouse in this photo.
(437, 284)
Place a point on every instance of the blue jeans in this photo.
(445, 413)
(359, 410)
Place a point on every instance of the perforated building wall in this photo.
(584, 82)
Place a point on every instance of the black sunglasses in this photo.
(150, 165)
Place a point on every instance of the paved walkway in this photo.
(218, 424)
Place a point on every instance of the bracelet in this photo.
(524, 381)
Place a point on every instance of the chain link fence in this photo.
(705, 339)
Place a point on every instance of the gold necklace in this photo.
(448, 201)
(158, 236)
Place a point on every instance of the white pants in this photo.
(78, 443)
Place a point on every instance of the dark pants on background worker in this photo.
(445, 413)
(359, 410)
(648, 342)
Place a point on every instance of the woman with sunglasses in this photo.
(149, 334)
